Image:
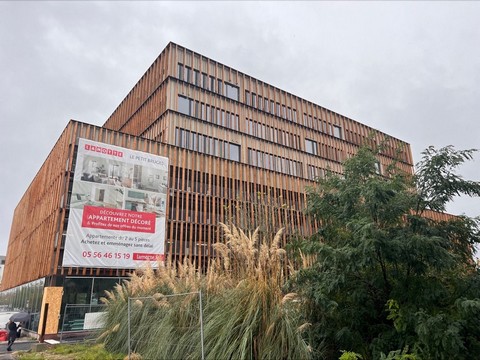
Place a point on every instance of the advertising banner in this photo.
(117, 208)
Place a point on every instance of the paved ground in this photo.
(24, 343)
(20, 344)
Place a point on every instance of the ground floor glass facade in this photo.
(27, 298)
(81, 295)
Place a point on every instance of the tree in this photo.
(387, 274)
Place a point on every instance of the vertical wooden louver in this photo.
(240, 150)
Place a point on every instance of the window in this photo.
(231, 91)
(254, 100)
(252, 157)
(204, 81)
(325, 127)
(178, 137)
(208, 113)
(259, 158)
(228, 120)
(315, 123)
(237, 121)
(234, 152)
(311, 147)
(275, 163)
(220, 86)
(314, 172)
(197, 77)
(180, 71)
(207, 145)
(201, 143)
(184, 105)
(188, 74)
(197, 109)
(249, 126)
(311, 172)
(267, 161)
(187, 138)
(247, 97)
(337, 131)
(212, 83)
(378, 168)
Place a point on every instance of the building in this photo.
(2, 266)
(233, 149)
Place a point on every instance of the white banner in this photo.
(94, 320)
(117, 208)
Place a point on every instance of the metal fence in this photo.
(132, 342)
(86, 318)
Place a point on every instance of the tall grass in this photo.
(246, 313)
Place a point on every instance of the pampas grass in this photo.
(246, 314)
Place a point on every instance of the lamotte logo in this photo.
(103, 150)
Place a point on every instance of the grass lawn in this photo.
(72, 352)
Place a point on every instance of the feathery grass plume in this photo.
(289, 297)
(304, 327)
(104, 334)
(158, 296)
(246, 313)
(224, 254)
(308, 260)
(133, 356)
(161, 303)
(120, 291)
(109, 331)
(255, 306)
(110, 296)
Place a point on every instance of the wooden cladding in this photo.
(203, 190)
(146, 91)
(36, 241)
(239, 150)
(179, 71)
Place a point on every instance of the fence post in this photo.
(128, 317)
(63, 321)
(201, 324)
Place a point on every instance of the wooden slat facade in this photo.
(237, 150)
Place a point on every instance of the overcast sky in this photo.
(409, 69)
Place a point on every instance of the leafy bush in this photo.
(388, 271)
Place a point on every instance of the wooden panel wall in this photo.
(36, 241)
(194, 210)
(135, 108)
(53, 297)
(204, 189)
(36, 221)
(156, 92)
